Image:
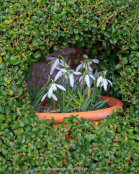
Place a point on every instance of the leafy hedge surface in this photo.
(30, 29)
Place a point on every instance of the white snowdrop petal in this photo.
(44, 97)
(110, 82)
(54, 87)
(54, 66)
(59, 74)
(87, 80)
(71, 80)
(98, 81)
(58, 68)
(105, 84)
(78, 67)
(80, 78)
(64, 65)
(90, 69)
(85, 56)
(50, 92)
(77, 73)
(63, 70)
(50, 58)
(61, 87)
(54, 97)
(61, 60)
(105, 72)
(95, 60)
(92, 77)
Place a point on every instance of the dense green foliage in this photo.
(30, 29)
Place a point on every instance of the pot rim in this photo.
(94, 115)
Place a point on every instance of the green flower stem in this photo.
(42, 74)
(81, 92)
(68, 88)
(63, 95)
(89, 91)
(54, 105)
(36, 102)
(100, 90)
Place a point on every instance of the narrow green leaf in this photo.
(101, 104)
(67, 105)
(86, 103)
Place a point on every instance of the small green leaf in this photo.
(69, 124)
(112, 62)
(94, 24)
(105, 45)
(104, 65)
(76, 30)
(39, 13)
(56, 47)
(14, 60)
(19, 112)
(2, 117)
(107, 34)
(77, 37)
(37, 54)
(125, 60)
(118, 66)
(113, 40)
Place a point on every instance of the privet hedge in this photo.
(30, 29)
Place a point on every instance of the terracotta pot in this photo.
(93, 115)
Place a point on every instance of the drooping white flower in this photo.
(54, 65)
(85, 56)
(51, 58)
(86, 63)
(60, 73)
(99, 80)
(53, 96)
(71, 74)
(103, 82)
(53, 87)
(62, 63)
(87, 78)
(93, 60)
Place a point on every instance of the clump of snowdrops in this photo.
(70, 96)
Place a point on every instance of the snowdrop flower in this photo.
(54, 65)
(59, 74)
(71, 76)
(93, 60)
(53, 87)
(87, 78)
(53, 96)
(62, 63)
(86, 63)
(103, 82)
(50, 58)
